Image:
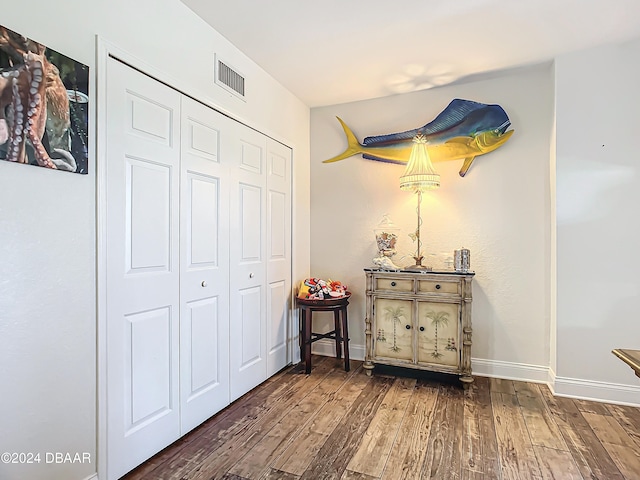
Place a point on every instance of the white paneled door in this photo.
(248, 149)
(204, 265)
(197, 255)
(142, 262)
(278, 256)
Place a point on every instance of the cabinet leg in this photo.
(466, 382)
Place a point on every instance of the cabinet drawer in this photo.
(394, 284)
(429, 286)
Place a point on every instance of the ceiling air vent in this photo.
(229, 79)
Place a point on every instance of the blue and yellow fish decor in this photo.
(463, 130)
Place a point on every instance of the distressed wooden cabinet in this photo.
(420, 321)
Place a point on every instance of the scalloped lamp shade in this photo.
(419, 174)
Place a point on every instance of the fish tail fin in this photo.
(353, 146)
(466, 165)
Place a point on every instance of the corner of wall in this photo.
(552, 241)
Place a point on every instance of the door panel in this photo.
(278, 227)
(277, 215)
(148, 379)
(142, 175)
(203, 223)
(392, 338)
(247, 150)
(148, 202)
(149, 119)
(252, 150)
(202, 140)
(204, 259)
(249, 321)
(201, 329)
(439, 334)
(278, 322)
(251, 213)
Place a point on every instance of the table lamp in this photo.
(418, 177)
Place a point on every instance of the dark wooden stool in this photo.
(340, 334)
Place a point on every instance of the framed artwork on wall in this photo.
(44, 105)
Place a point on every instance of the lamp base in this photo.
(418, 267)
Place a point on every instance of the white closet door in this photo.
(248, 266)
(278, 254)
(204, 260)
(142, 313)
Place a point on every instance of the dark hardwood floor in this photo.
(334, 424)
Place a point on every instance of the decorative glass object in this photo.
(448, 263)
(386, 239)
(462, 260)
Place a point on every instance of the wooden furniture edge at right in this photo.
(630, 357)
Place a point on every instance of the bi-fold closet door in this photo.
(197, 263)
(260, 256)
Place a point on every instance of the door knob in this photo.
(422, 329)
(408, 327)
(204, 284)
(251, 275)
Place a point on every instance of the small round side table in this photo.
(341, 329)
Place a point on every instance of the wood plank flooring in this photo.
(334, 424)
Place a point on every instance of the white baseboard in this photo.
(560, 386)
(328, 349)
(510, 370)
(597, 391)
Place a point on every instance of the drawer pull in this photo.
(437, 286)
(408, 327)
(393, 284)
(422, 329)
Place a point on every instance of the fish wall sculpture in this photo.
(463, 130)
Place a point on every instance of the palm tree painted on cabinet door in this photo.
(437, 319)
(394, 314)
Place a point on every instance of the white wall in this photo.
(500, 211)
(597, 226)
(48, 220)
(549, 217)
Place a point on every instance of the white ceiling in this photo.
(335, 51)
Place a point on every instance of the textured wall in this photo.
(598, 231)
(500, 210)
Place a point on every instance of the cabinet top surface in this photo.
(432, 272)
